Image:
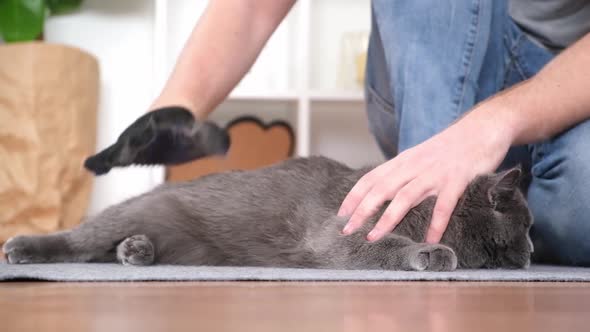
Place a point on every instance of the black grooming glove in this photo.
(166, 136)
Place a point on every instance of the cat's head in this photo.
(499, 236)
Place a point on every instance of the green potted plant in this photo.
(48, 106)
(23, 20)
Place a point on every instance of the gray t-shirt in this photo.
(554, 24)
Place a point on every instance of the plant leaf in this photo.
(57, 7)
(21, 20)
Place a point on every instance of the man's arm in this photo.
(555, 99)
(222, 47)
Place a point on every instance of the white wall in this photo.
(119, 34)
(330, 20)
(341, 131)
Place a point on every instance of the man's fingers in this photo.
(406, 198)
(372, 202)
(360, 190)
(443, 209)
(368, 207)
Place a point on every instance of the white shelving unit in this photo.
(296, 78)
(296, 75)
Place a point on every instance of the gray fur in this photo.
(284, 216)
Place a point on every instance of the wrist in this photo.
(486, 134)
(167, 98)
(513, 108)
(500, 123)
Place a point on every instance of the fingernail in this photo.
(372, 236)
(347, 229)
(341, 213)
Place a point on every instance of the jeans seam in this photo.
(515, 58)
(513, 61)
(521, 71)
(468, 56)
(510, 55)
(372, 95)
(507, 68)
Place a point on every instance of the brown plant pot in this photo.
(48, 108)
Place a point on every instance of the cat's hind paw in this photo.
(136, 250)
(21, 250)
(433, 257)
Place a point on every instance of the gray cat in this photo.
(284, 216)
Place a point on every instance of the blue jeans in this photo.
(429, 61)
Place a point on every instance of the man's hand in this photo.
(442, 166)
(537, 109)
(165, 136)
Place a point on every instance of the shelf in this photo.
(337, 96)
(263, 96)
(288, 96)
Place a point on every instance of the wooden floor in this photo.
(270, 306)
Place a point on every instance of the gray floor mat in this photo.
(116, 272)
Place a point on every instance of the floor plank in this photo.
(280, 306)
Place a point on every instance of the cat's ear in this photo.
(504, 184)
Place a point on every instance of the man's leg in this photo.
(559, 197)
(559, 192)
(383, 120)
(427, 66)
(413, 77)
(424, 62)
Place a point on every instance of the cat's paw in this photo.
(136, 250)
(21, 250)
(433, 257)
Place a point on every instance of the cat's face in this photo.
(499, 237)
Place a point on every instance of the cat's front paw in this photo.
(433, 257)
(21, 250)
(136, 250)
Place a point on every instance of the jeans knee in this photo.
(559, 197)
(561, 242)
(561, 225)
(565, 156)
